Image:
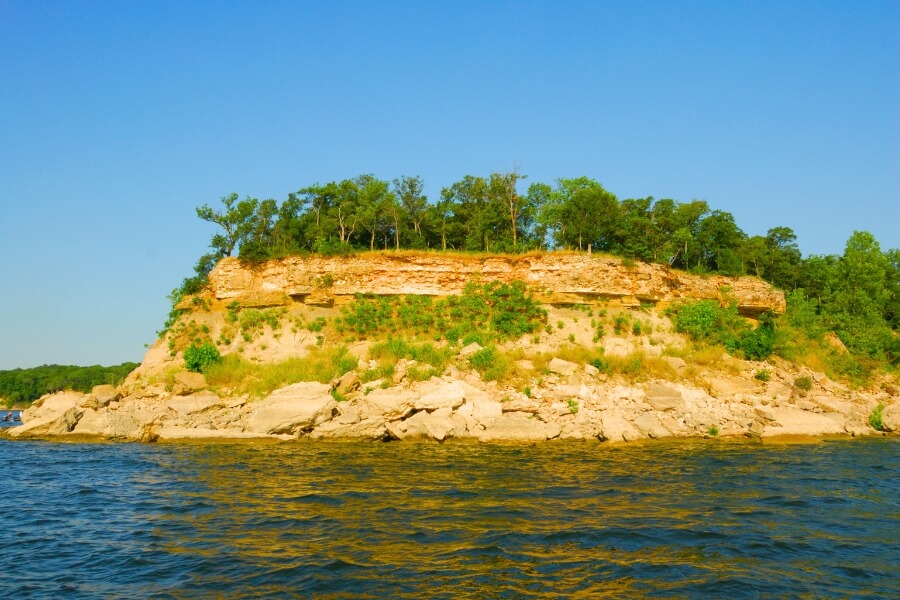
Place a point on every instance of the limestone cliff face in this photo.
(558, 277)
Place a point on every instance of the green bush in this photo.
(876, 418)
(198, 358)
(763, 375)
(483, 312)
(803, 383)
(707, 321)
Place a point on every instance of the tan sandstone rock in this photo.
(293, 409)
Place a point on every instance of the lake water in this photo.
(713, 518)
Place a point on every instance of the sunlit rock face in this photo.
(557, 277)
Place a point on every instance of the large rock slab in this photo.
(794, 421)
(890, 416)
(53, 405)
(518, 427)
(389, 403)
(562, 367)
(650, 425)
(52, 425)
(132, 415)
(188, 382)
(195, 403)
(93, 422)
(437, 425)
(298, 407)
(663, 397)
(437, 394)
(616, 428)
(371, 428)
(101, 396)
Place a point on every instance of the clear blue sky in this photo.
(118, 118)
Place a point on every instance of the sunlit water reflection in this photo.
(340, 520)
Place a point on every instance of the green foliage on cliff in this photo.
(482, 312)
(198, 358)
(709, 322)
(22, 386)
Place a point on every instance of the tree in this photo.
(503, 189)
(414, 203)
(720, 241)
(587, 214)
(236, 221)
(260, 239)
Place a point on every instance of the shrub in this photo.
(763, 375)
(803, 383)
(486, 311)
(198, 357)
(482, 360)
(713, 431)
(573, 405)
(620, 323)
(876, 418)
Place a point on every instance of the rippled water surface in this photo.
(339, 520)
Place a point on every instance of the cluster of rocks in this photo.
(574, 402)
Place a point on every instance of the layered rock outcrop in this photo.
(557, 277)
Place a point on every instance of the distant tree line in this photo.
(857, 294)
(23, 386)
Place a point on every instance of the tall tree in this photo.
(236, 221)
(503, 189)
(410, 193)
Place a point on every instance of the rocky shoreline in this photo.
(573, 402)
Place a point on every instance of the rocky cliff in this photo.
(673, 391)
(558, 277)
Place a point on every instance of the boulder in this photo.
(188, 382)
(391, 404)
(832, 404)
(371, 428)
(348, 382)
(131, 415)
(51, 425)
(591, 370)
(890, 417)
(676, 363)
(298, 407)
(92, 422)
(438, 394)
(562, 367)
(52, 405)
(650, 425)
(195, 403)
(518, 427)
(616, 428)
(765, 415)
(101, 396)
(663, 397)
(437, 425)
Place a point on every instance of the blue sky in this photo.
(118, 118)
